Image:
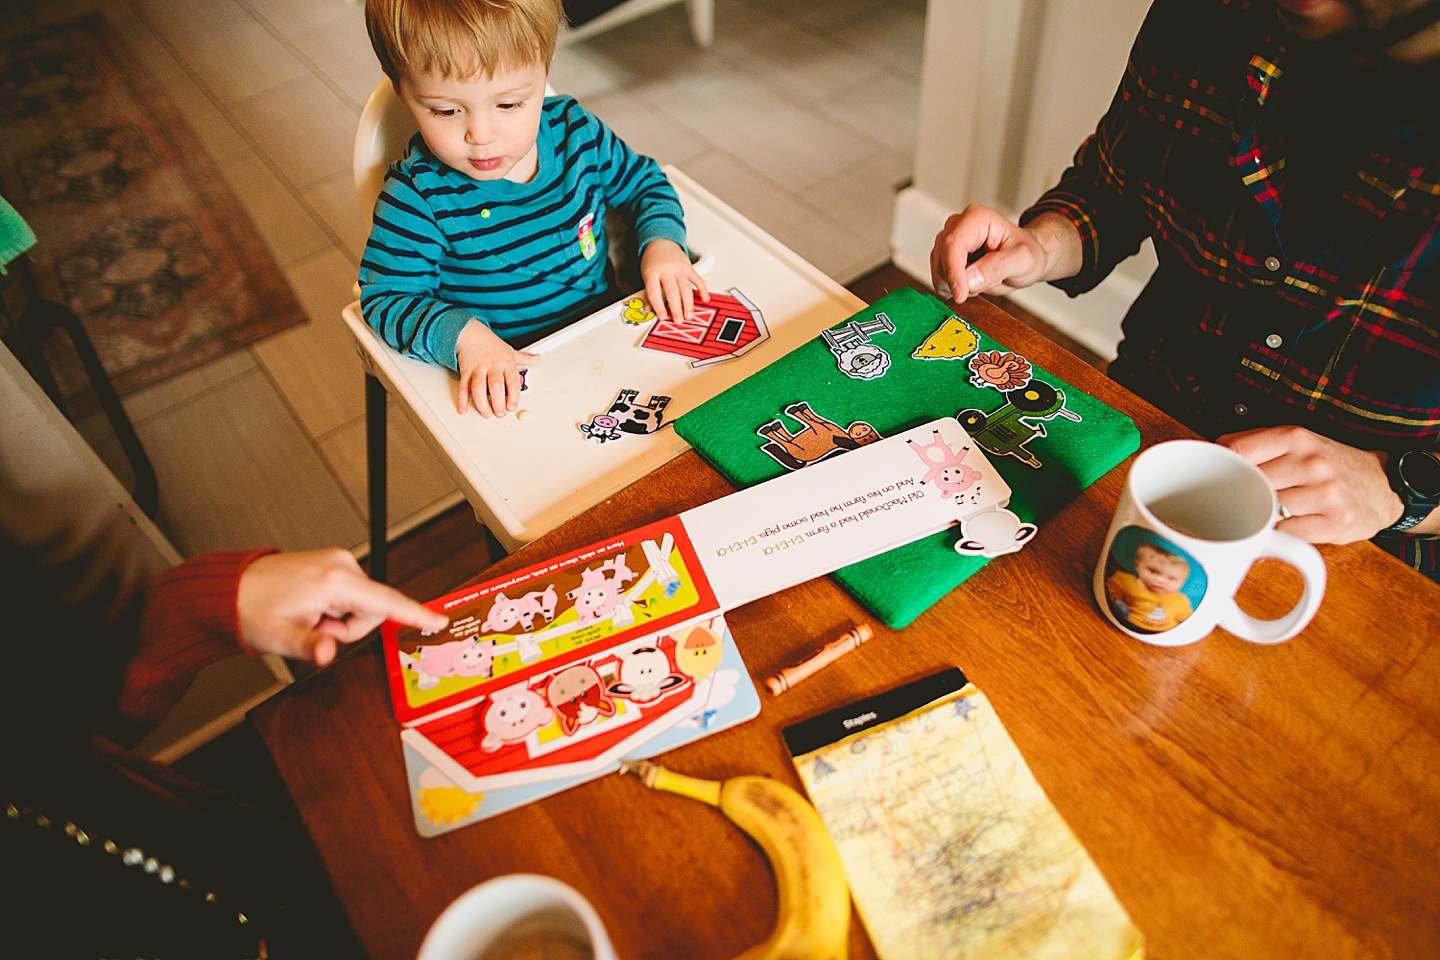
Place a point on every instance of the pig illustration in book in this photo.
(506, 612)
(599, 594)
(947, 468)
(578, 696)
(457, 658)
(512, 716)
(645, 674)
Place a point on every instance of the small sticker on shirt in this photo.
(587, 236)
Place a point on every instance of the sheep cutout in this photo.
(993, 533)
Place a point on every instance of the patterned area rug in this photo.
(137, 232)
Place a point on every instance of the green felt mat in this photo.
(900, 585)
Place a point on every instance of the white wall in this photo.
(1009, 89)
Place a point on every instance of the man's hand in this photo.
(670, 280)
(1333, 493)
(303, 605)
(489, 371)
(1048, 248)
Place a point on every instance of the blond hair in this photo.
(1163, 555)
(461, 38)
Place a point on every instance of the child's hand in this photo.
(489, 371)
(670, 280)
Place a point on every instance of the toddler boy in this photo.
(1150, 599)
(490, 232)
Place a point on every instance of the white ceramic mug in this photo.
(509, 910)
(1192, 519)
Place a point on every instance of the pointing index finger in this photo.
(366, 598)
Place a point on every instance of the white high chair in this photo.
(385, 128)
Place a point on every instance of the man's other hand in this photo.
(1333, 493)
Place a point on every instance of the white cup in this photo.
(1192, 519)
(510, 910)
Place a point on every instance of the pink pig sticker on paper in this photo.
(512, 716)
(458, 658)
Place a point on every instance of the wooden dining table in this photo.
(1243, 801)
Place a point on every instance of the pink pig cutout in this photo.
(512, 716)
(950, 474)
(506, 612)
(458, 658)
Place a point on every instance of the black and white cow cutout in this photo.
(627, 416)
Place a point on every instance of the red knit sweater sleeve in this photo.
(188, 620)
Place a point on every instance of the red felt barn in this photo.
(726, 327)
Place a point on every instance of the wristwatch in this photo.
(1415, 476)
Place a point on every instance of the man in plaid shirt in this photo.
(1286, 161)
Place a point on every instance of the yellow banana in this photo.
(813, 908)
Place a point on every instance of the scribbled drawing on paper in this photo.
(953, 850)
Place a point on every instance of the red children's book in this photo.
(563, 668)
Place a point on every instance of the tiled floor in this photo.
(801, 115)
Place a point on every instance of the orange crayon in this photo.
(828, 654)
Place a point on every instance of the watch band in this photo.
(1415, 477)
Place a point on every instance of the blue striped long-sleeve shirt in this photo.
(524, 258)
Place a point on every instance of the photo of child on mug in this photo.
(1151, 584)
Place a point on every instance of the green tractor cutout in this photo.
(1004, 432)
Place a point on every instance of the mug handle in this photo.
(1303, 558)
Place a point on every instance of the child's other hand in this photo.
(670, 280)
(489, 371)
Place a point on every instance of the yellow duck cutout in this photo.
(636, 312)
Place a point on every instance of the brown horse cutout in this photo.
(819, 439)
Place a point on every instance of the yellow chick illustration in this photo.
(697, 653)
(636, 312)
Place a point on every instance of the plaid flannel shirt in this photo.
(1299, 278)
